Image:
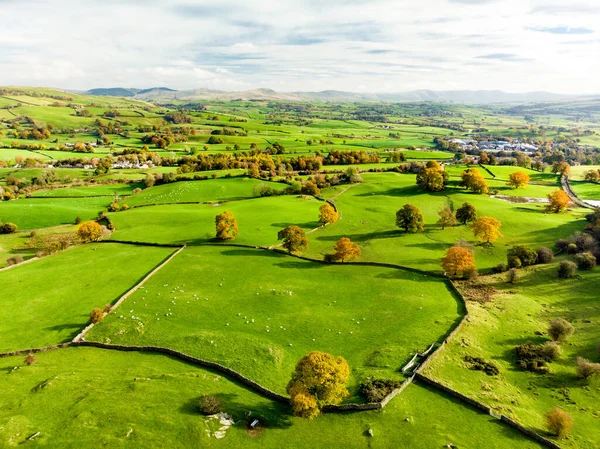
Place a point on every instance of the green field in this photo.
(195, 223)
(48, 301)
(514, 317)
(368, 218)
(375, 317)
(34, 213)
(89, 397)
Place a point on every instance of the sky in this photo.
(303, 45)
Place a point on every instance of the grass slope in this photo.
(512, 318)
(83, 397)
(203, 304)
(49, 301)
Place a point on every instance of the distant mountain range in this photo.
(163, 94)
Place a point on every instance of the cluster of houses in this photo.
(495, 146)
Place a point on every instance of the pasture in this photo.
(261, 319)
(48, 301)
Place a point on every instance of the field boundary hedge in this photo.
(34, 350)
(487, 170)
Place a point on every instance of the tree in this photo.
(447, 218)
(319, 379)
(561, 168)
(457, 260)
(345, 250)
(521, 256)
(433, 178)
(466, 213)
(410, 218)
(559, 201)
(518, 179)
(96, 315)
(560, 329)
(294, 239)
(328, 214)
(226, 226)
(592, 176)
(513, 276)
(149, 180)
(585, 261)
(559, 422)
(89, 231)
(473, 180)
(486, 229)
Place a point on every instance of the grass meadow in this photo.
(49, 301)
(258, 312)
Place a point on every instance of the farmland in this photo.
(184, 312)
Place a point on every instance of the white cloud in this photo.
(376, 45)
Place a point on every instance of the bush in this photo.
(14, 260)
(32, 234)
(559, 422)
(470, 273)
(544, 255)
(560, 329)
(30, 359)
(550, 351)
(8, 228)
(561, 244)
(375, 390)
(586, 369)
(521, 256)
(479, 364)
(96, 315)
(210, 404)
(572, 248)
(513, 276)
(500, 268)
(534, 358)
(78, 220)
(585, 261)
(567, 269)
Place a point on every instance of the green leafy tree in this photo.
(466, 213)
(294, 239)
(410, 219)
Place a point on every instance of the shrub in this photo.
(375, 390)
(560, 329)
(78, 220)
(544, 255)
(521, 256)
(8, 228)
(567, 269)
(96, 315)
(585, 261)
(550, 350)
(561, 244)
(534, 358)
(479, 364)
(15, 260)
(513, 276)
(30, 359)
(572, 248)
(470, 273)
(500, 268)
(136, 191)
(586, 369)
(107, 308)
(32, 234)
(210, 404)
(559, 422)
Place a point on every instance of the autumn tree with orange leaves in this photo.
(90, 231)
(558, 201)
(226, 226)
(518, 179)
(327, 214)
(319, 379)
(457, 261)
(345, 250)
(486, 229)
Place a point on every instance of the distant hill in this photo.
(456, 96)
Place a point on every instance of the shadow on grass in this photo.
(307, 225)
(394, 233)
(274, 415)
